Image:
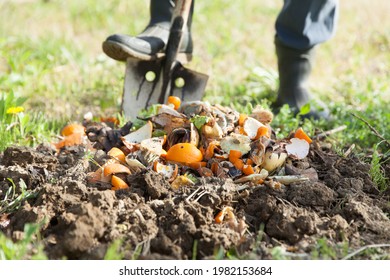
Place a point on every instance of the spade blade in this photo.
(142, 86)
(187, 84)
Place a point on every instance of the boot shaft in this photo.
(294, 65)
(161, 13)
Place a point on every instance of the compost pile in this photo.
(189, 181)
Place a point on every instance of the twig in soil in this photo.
(329, 132)
(372, 129)
(200, 195)
(192, 195)
(284, 202)
(364, 248)
(346, 154)
(138, 213)
(349, 151)
(146, 247)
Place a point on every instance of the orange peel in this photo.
(234, 155)
(115, 168)
(118, 154)
(209, 153)
(239, 164)
(72, 129)
(241, 119)
(197, 165)
(248, 169)
(175, 101)
(70, 140)
(300, 134)
(185, 153)
(227, 210)
(262, 131)
(118, 184)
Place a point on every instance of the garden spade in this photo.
(151, 82)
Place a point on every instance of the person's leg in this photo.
(300, 26)
(153, 39)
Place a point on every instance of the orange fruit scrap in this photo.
(73, 135)
(73, 128)
(239, 164)
(262, 131)
(251, 128)
(235, 158)
(205, 172)
(115, 168)
(221, 157)
(219, 217)
(248, 169)
(241, 131)
(300, 134)
(242, 119)
(175, 101)
(234, 155)
(94, 177)
(185, 153)
(214, 168)
(163, 153)
(203, 151)
(118, 154)
(227, 210)
(118, 184)
(113, 120)
(164, 140)
(70, 140)
(197, 165)
(209, 154)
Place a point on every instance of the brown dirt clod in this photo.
(81, 220)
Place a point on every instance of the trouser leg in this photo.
(300, 26)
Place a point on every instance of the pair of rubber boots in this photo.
(294, 65)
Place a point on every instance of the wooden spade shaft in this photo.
(179, 21)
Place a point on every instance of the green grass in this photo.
(20, 127)
(14, 197)
(29, 247)
(376, 172)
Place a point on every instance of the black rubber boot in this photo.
(150, 44)
(294, 69)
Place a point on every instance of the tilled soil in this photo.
(81, 220)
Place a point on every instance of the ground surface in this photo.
(342, 209)
(50, 53)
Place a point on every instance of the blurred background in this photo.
(50, 54)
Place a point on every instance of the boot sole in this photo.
(121, 52)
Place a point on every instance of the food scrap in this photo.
(195, 138)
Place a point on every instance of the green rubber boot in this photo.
(294, 69)
(150, 44)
